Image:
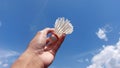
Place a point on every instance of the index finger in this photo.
(58, 44)
(41, 36)
(46, 31)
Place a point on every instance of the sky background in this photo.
(96, 31)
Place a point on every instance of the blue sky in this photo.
(96, 28)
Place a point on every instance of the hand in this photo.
(44, 47)
(41, 50)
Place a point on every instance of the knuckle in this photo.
(39, 32)
(47, 28)
(44, 30)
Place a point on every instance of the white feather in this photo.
(63, 25)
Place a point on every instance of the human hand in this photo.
(41, 50)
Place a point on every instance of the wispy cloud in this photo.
(7, 57)
(7, 53)
(109, 57)
(5, 65)
(102, 34)
(83, 60)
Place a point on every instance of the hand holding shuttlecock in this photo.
(63, 25)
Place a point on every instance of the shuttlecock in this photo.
(63, 25)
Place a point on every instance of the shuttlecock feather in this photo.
(63, 25)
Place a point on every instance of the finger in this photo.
(46, 31)
(48, 40)
(39, 40)
(42, 35)
(51, 41)
(58, 44)
(52, 38)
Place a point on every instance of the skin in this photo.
(41, 50)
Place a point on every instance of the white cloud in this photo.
(107, 28)
(83, 60)
(102, 34)
(109, 57)
(0, 62)
(7, 53)
(7, 57)
(5, 65)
